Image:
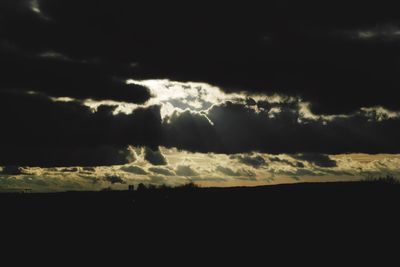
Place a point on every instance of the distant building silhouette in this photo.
(131, 187)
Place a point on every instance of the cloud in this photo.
(226, 171)
(192, 131)
(214, 179)
(89, 169)
(342, 70)
(230, 172)
(317, 159)
(155, 157)
(380, 33)
(40, 132)
(71, 134)
(269, 57)
(72, 169)
(12, 170)
(162, 171)
(56, 75)
(114, 179)
(254, 161)
(185, 170)
(157, 179)
(238, 128)
(134, 170)
(296, 164)
(296, 173)
(218, 170)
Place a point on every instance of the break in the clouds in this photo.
(85, 83)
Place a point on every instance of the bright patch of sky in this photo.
(176, 97)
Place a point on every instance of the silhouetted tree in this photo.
(141, 187)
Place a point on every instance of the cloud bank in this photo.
(89, 84)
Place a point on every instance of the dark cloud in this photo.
(319, 160)
(155, 157)
(88, 169)
(39, 132)
(307, 49)
(114, 179)
(12, 170)
(45, 156)
(134, 170)
(60, 78)
(237, 128)
(191, 131)
(254, 161)
(321, 52)
(72, 169)
(31, 60)
(185, 170)
(162, 171)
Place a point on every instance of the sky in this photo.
(103, 94)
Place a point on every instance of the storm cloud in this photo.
(68, 69)
(37, 131)
(238, 128)
(326, 53)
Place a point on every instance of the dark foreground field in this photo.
(353, 204)
(302, 217)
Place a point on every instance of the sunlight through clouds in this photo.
(176, 97)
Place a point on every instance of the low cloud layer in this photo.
(203, 169)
